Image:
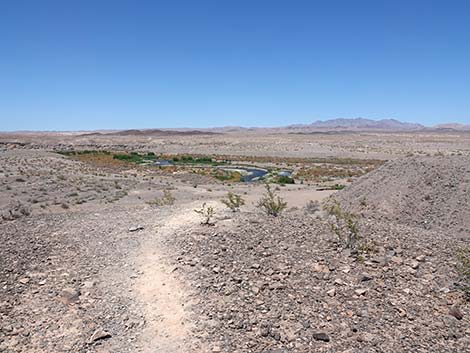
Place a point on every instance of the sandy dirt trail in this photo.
(164, 297)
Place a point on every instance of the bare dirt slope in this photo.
(430, 192)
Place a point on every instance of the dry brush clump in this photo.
(463, 267)
(312, 207)
(207, 213)
(271, 203)
(344, 225)
(167, 200)
(233, 201)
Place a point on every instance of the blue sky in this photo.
(72, 65)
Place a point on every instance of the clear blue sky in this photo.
(93, 64)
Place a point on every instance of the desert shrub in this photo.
(338, 187)
(312, 206)
(233, 201)
(284, 179)
(344, 225)
(271, 203)
(207, 212)
(463, 267)
(132, 157)
(167, 200)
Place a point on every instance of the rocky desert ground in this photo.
(362, 245)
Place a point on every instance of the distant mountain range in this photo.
(359, 124)
(333, 126)
(452, 126)
(354, 124)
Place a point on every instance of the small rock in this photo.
(360, 291)
(321, 268)
(136, 228)
(456, 312)
(264, 331)
(88, 284)
(413, 264)
(364, 277)
(99, 335)
(70, 296)
(421, 258)
(331, 292)
(321, 336)
(365, 337)
(24, 280)
(277, 286)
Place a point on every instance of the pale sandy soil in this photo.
(381, 145)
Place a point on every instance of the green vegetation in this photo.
(188, 159)
(233, 201)
(135, 158)
(78, 153)
(338, 187)
(271, 203)
(284, 179)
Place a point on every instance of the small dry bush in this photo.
(344, 225)
(271, 203)
(167, 200)
(312, 207)
(207, 213)
(463, 267)
(233, 201)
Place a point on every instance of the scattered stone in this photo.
(456, 312)
(413, 264)
(421, 258)
(397, 260)
(360, 291)
(69, 296)
(364, 277)
(321, 336)
(136, 228)
(24, 280)
(331, 292)
(99, 335)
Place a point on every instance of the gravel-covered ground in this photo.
(429, 192)
(285, 285)
(93, 265)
